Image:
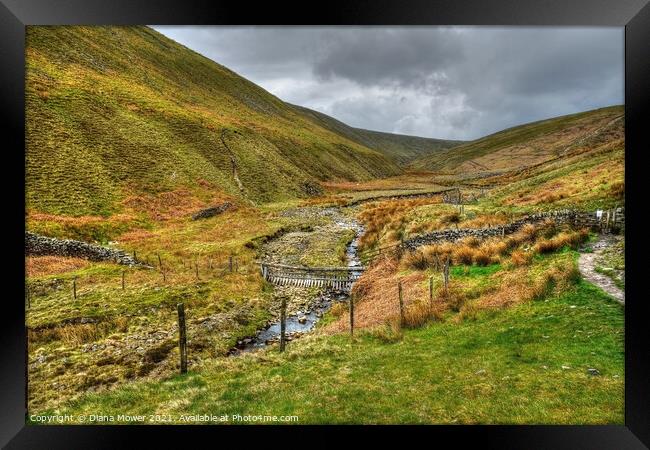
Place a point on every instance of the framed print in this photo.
(409, 213)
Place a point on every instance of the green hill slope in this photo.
(114, 112)
(398, 147)
(521, 146)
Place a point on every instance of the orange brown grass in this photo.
(37, 266)
(172, 204)
(386, 219)
(377, 295)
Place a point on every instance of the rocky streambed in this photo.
(305, 306)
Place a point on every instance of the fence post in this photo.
(401, 302)
(74, 288)
(134, 255)
(431, 290)
(445, 274)
(182, 336)
(159, 261)
(123, 281)
(283, 318)
(351, 314)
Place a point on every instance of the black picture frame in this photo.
(634, 15)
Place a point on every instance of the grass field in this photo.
(527, 364)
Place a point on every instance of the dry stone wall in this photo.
(37, 245)
(606, 221)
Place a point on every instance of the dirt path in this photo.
(587, 265)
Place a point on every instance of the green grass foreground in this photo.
(526, 364)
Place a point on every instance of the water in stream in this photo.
(304, 321)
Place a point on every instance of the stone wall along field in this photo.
(36, 245)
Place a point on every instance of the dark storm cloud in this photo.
(446, 82)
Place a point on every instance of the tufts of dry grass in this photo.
(75, 334)
(385, 221)
(452, 298)
(377, 295)
(521, 258)
(485, 220)
(339, 309)
(471, 241)
(566, 238)
(451, 218)
(463, 254)
(36, 266)
(421, 312)
(416, 260)
(337, 200)
(484, 257)
(518, 287)
(544, 237)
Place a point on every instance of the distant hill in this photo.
(521, 146)
(118, 112)
(398, 147)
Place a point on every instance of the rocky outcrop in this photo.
(37, 245)
(212, 211)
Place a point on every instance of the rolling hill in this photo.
(523, 146)
(120, 112)
(400, 148)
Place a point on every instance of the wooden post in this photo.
(74, 288)
(210, 263)
(134, 255)
(182, 336)
(283, 318)
(351, 314)
(401, 302)
(123, 281)
(159, 261)
(445, 274)
(431, 291)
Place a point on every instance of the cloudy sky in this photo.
(443, 82)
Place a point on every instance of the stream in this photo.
(303, 322)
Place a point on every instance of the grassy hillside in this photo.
(398, 147)
(521, 146)
(117, 112)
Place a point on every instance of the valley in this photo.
(200, 177)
